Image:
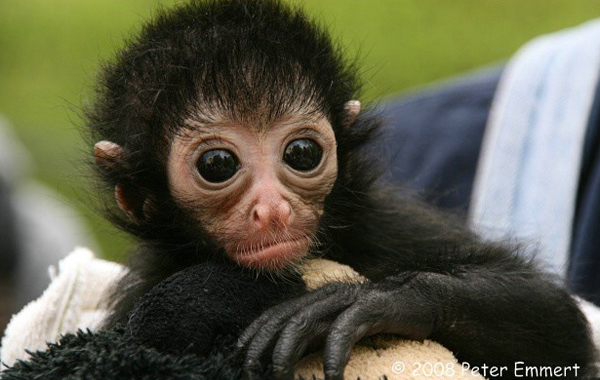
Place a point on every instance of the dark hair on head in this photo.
(247, 60)
(239, 57)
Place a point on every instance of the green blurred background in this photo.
(50, 52)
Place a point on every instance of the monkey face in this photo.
(257, 189)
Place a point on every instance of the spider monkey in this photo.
(229, 133)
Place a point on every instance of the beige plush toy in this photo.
(382, 356)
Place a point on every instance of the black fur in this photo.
(492, 305)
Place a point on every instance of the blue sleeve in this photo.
(433, 138)
(584, 267)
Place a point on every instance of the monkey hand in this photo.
(334, 317)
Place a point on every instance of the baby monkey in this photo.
(229, 132)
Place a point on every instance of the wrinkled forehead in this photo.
(212, 119)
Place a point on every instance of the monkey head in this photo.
(220, 126)
(258, 190)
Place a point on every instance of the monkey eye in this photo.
(303, 154)
(217, 165)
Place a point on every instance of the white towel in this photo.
(528, 174)
(73, 300)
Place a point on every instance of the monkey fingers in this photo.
(376, 311)
(261, 334)
(307, 314)
(309, 326)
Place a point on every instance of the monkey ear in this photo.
(351, 109)
(137, 205)
(107, 154)
(122, 197)
(109, 157)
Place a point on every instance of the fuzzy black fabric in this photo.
(191, 310)
(108, 355)
(184, 328)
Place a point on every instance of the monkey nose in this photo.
(266, 215)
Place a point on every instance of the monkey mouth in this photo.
(272, 255)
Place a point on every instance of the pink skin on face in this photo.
(266, 214)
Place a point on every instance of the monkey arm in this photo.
(483, 320)
(488, 316)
